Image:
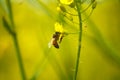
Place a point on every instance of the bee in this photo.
(56, 39)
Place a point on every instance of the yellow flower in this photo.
(67, 2)
(58, 27)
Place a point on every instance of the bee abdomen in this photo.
(55, 44)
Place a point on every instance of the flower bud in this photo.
(61, 8)
(58, 9)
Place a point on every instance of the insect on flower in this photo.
(57, 36)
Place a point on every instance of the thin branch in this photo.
(71, 13)
(86, 8)
(79, 40)
(88, 15)
(14, 36)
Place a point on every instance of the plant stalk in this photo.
(79, 39)
(15, 40)
(19, 56)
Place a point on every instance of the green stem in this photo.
(19, 56)
(79, 39)
(14, 36)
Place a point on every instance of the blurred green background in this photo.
(34, 24)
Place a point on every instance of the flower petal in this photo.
(67, 2)
(58, 27)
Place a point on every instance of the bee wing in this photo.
(50, 43)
